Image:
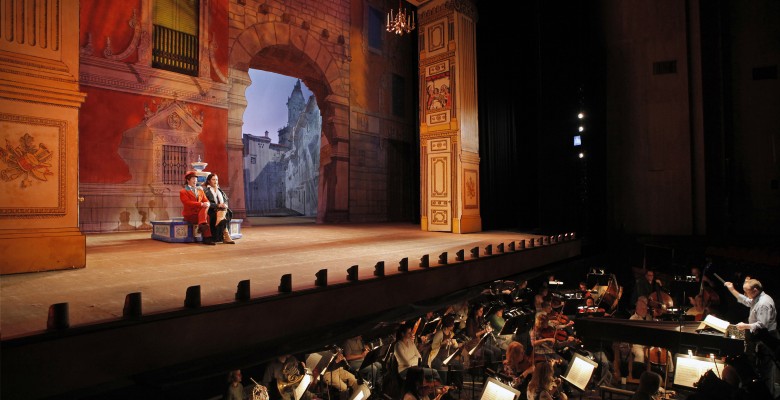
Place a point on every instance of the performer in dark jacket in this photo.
(217, 208)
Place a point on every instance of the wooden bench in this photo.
(177, 230)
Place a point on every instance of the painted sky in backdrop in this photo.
(267, 102)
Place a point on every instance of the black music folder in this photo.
(371, 357)
(430, 327)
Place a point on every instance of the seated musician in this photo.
(442, 346)
(541, 295)
(590, 308)
(283, 375)
(522, 295)
(355, 352)
(518, 366)
(338, 376)
(554, 318)
(642, 312)
(497, 322)
(646, 285)
(544, 385)
(406, 353)
(419, 385)
(476, 327)
(546, 340)
(460, 311)
(698, 310)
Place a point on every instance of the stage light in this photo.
(581, 128)
(242, 291)
(475, 252)
(352, 274)
(321, 278)
(192, 299)
(403, 265)
(285, 285)
(530, 243)
(379, 269)
(512, 246)
(522, 244)
(132, 308)
(424, 261)
(581, 155)
(580, 116)
(443, 258)
(460, 255)
(489, 250)
(500, 248)
(58, 317)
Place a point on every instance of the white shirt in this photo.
(217, 195)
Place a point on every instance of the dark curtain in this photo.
(537, 68)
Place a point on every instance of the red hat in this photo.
(190, 174)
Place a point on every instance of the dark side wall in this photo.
(680, 137)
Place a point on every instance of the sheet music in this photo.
(495, 390)
(580, 371)
(689, 370)
(301, 388)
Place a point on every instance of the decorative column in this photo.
(449, 131)
(39, 142)
(239, 82)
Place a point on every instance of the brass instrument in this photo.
(292, 377)
(259, 392)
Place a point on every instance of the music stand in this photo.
(371, 357)
(430, 326)
(580, 371)
(596, 280)
(514, 324)
(495, 390)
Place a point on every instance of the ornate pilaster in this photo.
(39, 109)
(449, 140)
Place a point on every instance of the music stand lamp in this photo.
(362, 392)
(579, 372)
(495, 390)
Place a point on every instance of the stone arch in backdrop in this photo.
(295, 51)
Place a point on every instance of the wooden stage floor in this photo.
(123, 263)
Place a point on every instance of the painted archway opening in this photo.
(281, 167)
(301, 55)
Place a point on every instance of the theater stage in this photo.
(122, 263)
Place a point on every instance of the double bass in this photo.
(659, 302)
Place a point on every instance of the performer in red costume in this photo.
(195, 206)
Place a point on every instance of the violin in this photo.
(549, 332)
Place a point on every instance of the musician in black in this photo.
(762, 324)
(476, 328)
(646, 285)
(355, 352)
